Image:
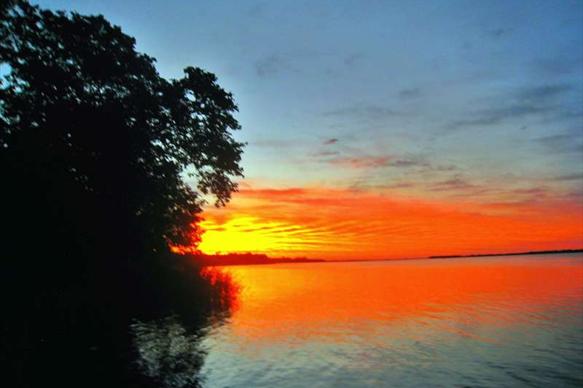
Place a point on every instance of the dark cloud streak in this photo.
(410, 93)
(562, 143)
(524, 102)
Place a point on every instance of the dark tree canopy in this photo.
(94, 146)
(94, 142)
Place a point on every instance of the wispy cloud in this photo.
(500, 32)
(353, 59)
(272, 65)
(372, 112)
(422, 163)
(558, 66)
(280, 143)
(453, 184)
(493, 116)
(330, 141)
(540, 95)
(524, 102)
(567, 142)
(323, 154)
(568, 177)
(406, 163)
(361, 162)
(537, 192)
(410, 93)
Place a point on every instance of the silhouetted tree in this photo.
(94, 149)
(88, 123)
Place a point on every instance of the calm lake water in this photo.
(504, 321)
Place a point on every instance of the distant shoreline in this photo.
(509, 254)
(262, 259)
(248, 259)
(436, 257)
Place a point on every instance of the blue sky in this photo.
(427, 98)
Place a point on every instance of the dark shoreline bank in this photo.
(262, 259)
(247, 259)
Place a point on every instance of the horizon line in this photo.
(446, 256)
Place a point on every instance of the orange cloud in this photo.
(348, 224)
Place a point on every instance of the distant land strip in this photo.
(247, 259)
(509, 254)
(258, 258)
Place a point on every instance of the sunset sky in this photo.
(381, 129)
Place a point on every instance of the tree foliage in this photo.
(94, 149)
(94, 142)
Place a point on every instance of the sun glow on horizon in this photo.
(323, 223)
(251, 234)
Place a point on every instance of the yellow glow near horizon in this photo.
(344, 224)
(250, 234)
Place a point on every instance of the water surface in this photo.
(504, 321)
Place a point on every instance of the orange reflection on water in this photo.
(311, 299)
